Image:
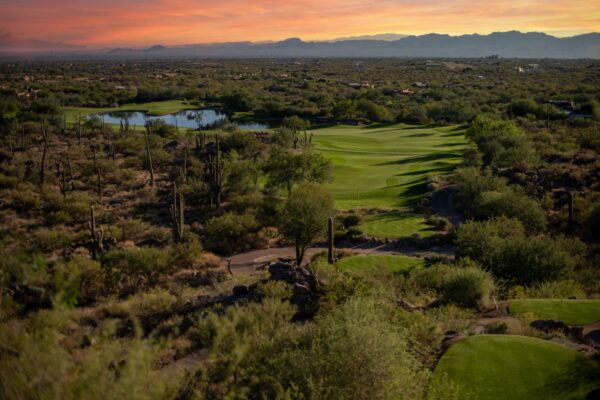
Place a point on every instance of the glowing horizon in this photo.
(137, 23)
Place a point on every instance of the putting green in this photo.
(512, 367)
(387, 166)
(395, 225)
(396, 264)
(571, 312)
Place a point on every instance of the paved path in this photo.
(250, 262)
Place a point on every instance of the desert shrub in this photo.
(48, 240)
(483, 196)
(39, 367)
(26, 201)
(358, 352)
(468, 287)
(78, 281)
(496, 328)
(144, 304)
(8, 182)
(470, 183)
(352, 219)
(501, 143)
(355, 352)
(439, 223)
(432, 278)
(231, 232)
(512, 204)
(275, 289)
(75, 207)
(555, 290)
(187, 253)
(135, 268)
(501, 247)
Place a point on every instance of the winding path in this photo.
(253, 261)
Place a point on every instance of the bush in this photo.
(37, 366)
(513, 204)
(555, 290)
(78, 282)
(231, 232)
(468, 287)
(432, 278)
(136, 268)
(357, 351)
(501, 247)
(501, 143)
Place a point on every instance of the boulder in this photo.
(301, 289)
(240, 290)
(547, 325)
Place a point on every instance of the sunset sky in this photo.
(148, 22)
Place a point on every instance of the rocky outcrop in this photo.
(305, 286)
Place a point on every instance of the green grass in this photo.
(152, 108)
(396, 264)
(571, 312)
(386, 166)
(513, 367)
(395, 225)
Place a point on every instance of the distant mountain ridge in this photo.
(512, 44)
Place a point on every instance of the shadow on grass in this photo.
(446, 168)
(423, 158)
(582, 374)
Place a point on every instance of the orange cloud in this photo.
(146, 22)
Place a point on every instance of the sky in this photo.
(139, 23)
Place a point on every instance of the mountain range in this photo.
(511, 44)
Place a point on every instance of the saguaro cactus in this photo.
(177, 215)
(149, 156)
(97, 235)
(216, 176)
(43, 163)
(330, 258)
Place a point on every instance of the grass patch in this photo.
(513, 367)
(395, 225)
(396, 264)
(571, 312)
(386, 166)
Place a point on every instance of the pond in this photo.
(183, 119)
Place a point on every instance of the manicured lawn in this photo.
(572, 312)
(512, 367)
(386, 166)
(152, 108)
(396, 264)
(395, 225)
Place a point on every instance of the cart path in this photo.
(250, 262)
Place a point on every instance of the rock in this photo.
(240, 290)
(301, 289)
(547, 325)
(282, 271)
(406, 305)
(436, 303)
(594, 337)
(574, 332)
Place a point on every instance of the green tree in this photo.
(502, 143)
(304, 216)
(286, 168)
